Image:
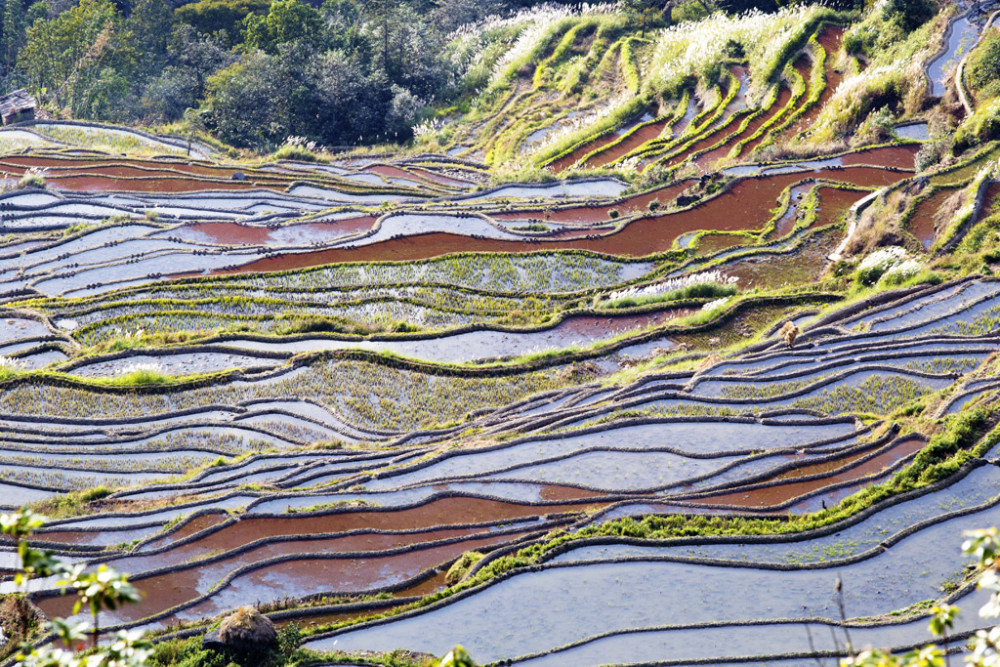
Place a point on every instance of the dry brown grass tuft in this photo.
(247, 627)
(789, 332)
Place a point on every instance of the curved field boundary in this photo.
(802, 536)
(854, 360)
(436, 244)
(180, 348)
(703, 498)
(403, 585)
(963, 94)
(603, 428)
(797, 623)
(942, 52)
(952, 236)
(392, 360)
(164, 139)
(703, 125)
(960, 307)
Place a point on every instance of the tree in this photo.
(192, 58)
(210, 17)
(82, 58)
(103, 589)
(911, 14)
(13, 34)
(457, 657)
(244, 100)
(151, 24)
(380, 13)
(286, 21)
(644, 12)
(451, 14)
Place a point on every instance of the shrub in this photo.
(980, 127)
(704, 284)
(932, 152)
(10, 367)
(32, 178)
(875, 128)
(461, 567)
(688, 11)
(140, 375)
(297, 148)
(911, 14)
(875, 265)
(312, 324)
(70, 504)
(982, 72)
(900, 273)
(185, 653)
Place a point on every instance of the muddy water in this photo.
(802, 66)
(167, 590)
(923, 222)
(991, 201)
(706, 160)
(829, 38)
(425, 587)
(84, 165)
(441, 179)
(77, 175)
(710, 244)
(731, 117)
(190, 527)
(443, 512)
(834, 203)
(126, 172)
(231, 233)
(158, 185)
(310, 576)
(390, 172)
(570, 159)
(753, 197)
(783, 490)
(555, 493)
(630, 143)
(901, 157)
(583, 215)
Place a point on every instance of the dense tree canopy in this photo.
(258, 71)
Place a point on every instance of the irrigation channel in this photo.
(407, 403)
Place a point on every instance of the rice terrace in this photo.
(425, 333)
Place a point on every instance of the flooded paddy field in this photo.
(651, 372)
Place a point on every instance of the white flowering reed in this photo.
(891, 261)
(143, 368)
(696, 48)
(716, 304)
(673, 284)
(528, 27)
(12, 364)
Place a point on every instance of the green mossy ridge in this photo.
(698, 128)
(647, 94)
